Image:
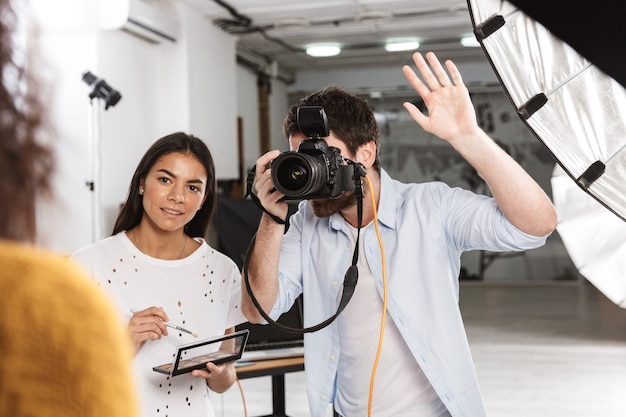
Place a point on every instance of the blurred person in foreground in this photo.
(425, 366)
(62, 350)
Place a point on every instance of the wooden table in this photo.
(276, 368)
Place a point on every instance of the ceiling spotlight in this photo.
(401, 45)
(469, 41)
(323, 50)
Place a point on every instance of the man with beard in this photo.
(399, 347)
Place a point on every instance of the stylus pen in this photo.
(171, 325)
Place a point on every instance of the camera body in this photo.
(315, 170)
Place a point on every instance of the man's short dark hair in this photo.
(350, 118)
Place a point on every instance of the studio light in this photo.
(100, 89)
(322, 50)
(577, 111)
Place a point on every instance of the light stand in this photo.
(99, 89)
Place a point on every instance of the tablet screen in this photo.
(219, 349)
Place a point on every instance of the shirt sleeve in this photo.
(475, 222)
(290, 261)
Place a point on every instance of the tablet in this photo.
(218, 349)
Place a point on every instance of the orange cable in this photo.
(384, 315)
(243, 398)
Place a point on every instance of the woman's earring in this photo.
(141, 191)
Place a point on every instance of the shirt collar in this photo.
(389, 204)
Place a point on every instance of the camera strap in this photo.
(352, 274)
(249, 182)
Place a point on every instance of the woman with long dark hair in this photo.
(158, 267)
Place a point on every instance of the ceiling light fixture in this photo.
(322, 50)
(469, 41)
(292, 23)
(402, 45)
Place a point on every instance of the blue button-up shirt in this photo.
(425, 228)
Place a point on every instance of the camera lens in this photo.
(296, 174)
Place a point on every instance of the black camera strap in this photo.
(249, 182)
(352, 274)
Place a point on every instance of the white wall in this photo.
(248, 110)
(212, 86)
(278, 109)
(66, 224)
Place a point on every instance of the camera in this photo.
(315, 170)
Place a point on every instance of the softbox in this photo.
(594, 237)
(569, 104)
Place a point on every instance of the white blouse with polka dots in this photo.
(201, 292)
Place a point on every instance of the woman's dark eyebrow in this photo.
(196, 181)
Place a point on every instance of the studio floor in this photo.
(541, 349)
